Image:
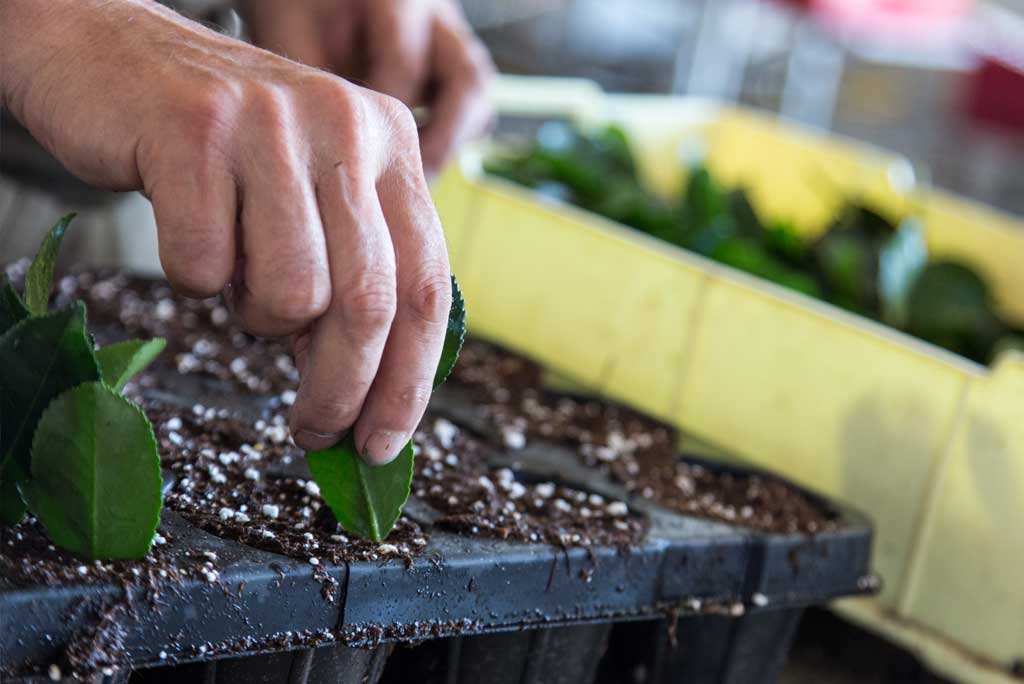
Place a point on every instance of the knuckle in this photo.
(191, 276)
(410, 398)
(368, 307)
(268, 105)
(338, 107)
(335, 97)
(326, 411)
(399, 120)
(192, 280)
(206, 115)
(429, 299)
(296, 296)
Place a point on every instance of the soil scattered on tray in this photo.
(233, 477)
(453, 477)
(635, 450)
(201, 337)
(350, 636)
(28, 558)
(229, 482)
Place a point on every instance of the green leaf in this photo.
(613, 144)
(747, 221)
(848, 268)
(96, 474)
(783, 239)
(748, 255)
(40, 357)
(365, 499)
(454, 336)
(901, 260)
(12, 505)
(704, 202)
(122, 361)
(40, 273)
(12, 308)
(951, 306)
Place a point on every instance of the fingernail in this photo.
(383, 446)
(310, 440)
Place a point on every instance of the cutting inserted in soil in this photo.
(497, 537)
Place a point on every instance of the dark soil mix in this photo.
(28, 558)
(635, 450)
(201, 337)
(231, 480)
(241, 478)
(473, 498)
(228, 482)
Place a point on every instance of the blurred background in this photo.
(938, 81)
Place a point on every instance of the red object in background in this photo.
(910, 20)
(996, 95)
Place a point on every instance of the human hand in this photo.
(301, 190)
(420, 51)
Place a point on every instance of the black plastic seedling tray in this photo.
(693, 601)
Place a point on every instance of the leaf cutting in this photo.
(95, 483)
(367, 500)
(73, 451)
(41, 357)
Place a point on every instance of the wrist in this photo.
(31, 31)
(47, 47)
(83, 77)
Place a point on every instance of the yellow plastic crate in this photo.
(928, 443)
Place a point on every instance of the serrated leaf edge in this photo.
(457, 317)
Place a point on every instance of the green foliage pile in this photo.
(862, 262)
